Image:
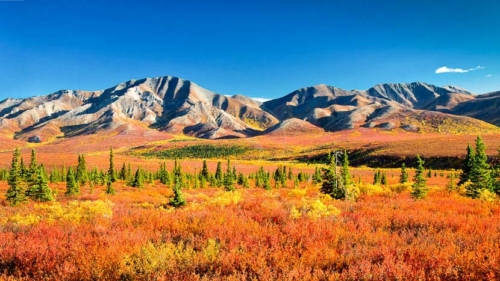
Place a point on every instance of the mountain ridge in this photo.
(175, 105)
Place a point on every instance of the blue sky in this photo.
(257, 48)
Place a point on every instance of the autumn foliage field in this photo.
(288, 232)
(251, 234)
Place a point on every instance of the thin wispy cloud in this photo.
(445, 69)
(261, 99)
(489, 75)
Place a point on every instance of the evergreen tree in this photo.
(72, 187)
(377, 177)
(452, 186)
(419, 183)
(123, 172)
(41, 191)
(82, 176)
(15, 193)
(218, 172)
(178, 198)
(111, 170)
(177, 173)
(110, 190)
(23, 169)
(33, 167)
(228, 178)
(383, 180)
(267, 182)
(129, 173)
(332, 185)
(317, 178)
(480, 176)
(204, 170)
(468, 163)
(344, 172)
(138, 178)
(290, 173)
(403, 178)
(496, 175)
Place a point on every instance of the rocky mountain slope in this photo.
(175, 105)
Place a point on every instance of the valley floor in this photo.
(251, 234)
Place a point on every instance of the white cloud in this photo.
(489, 75)
(261, 99)
(445, 69)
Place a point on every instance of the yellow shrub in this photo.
(24, 220)
(370, 189)
(154, 260)
(297, 193)
(487, 196)
(222, 199)
(313, 210)
(212, 250)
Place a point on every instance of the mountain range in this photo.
(176, 106)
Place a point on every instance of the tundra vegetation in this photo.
(331, 222)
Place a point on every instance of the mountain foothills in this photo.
(174, 105)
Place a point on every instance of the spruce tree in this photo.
(419, 183)
(177, 199)
(383, 180)
(228, 178)
(218, 172)
(123, 172)
(495, 177)
(344, 172)
(110, 190)
(377, 177)
(138, 178)
(403, 178)
(111, 170)
(41, 191)
(23, 169)
(15, 193)
(317, 178)
(81, 176)
(468, 163)
(33, 167)
(332, 185)
(480, 176)
(204, 173)
(72, 187)
(451, 186)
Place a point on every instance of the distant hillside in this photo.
(179, 106)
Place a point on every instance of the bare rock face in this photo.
(35, 139)
(176, 105)
(163, 103)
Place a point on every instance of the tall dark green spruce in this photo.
(72, 187)
(110, 190)
(111, 170)
(32, 174)
(228, 178)
(403, 178)
(138, 178)
(332, 185)
(41, 191)
(480, 176)
(419, 183)
(81, 176)
(204, 170)
(15, 193)
(177, 199)
(468, 163)
(496, 175)
(344, 172)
